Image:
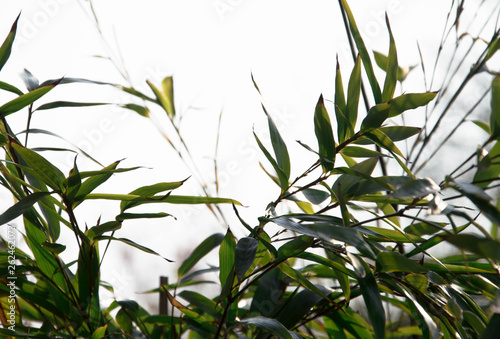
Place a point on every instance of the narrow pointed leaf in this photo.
(24, 100)
(133, 244)
(495, 108)
(150, 191)
(283, 179)
(353, 93)
(141, 110)
(10, 88)
(62, 104)
(360, 152)
(375, 117)
(409, 101)
(168, 89)
(270, 325)
(6, 47)
(226, 257)
(21, 206)
(324, 135)
(487, 248)
(199, 252)
(279, 146)
(344, 128)
(395, 133)
(363, 52)
(395, 262)
(391, 77)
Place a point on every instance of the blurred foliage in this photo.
(354, 258)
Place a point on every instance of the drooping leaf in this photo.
(324, 135)
(302, 280)
(6, 47)
(363, 52)
(416, 188)
(371, 295)
(294, 247)
(283, 179)
(487, 248)
(245, 252)
(133, 244)
(270, 325)
(150, 191)
(480, 199)
(10, 88)
(99, 230)
(409, 101)
(203, 303)
(199, 252)
(495, 108)
(141, 110)
(62, 104)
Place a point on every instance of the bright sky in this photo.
(211, 47)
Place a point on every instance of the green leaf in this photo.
(245, 252)
(495, 108)
(381, 139)
(94, 181)
(199, 252)
(416, 188)
(353, 92)
(24, 100)
(371, 295)
(302, 280)
(226, 257)
(53, 247)
(21, 206)
(360, 152)
(328, 233)
(493, 327)
(315, 196)
(168, 89)
(391, 77)
(150, 191)
(480, 199)
(409, 101)
(395, 133)
(487, 248)
(162, 99)
(375, 117)
(294, 247)
(363, 52)
(494, 46)
(133, 244)
(130, 216)
(271, 325)
(99, 230)
(203, 303)
(344, 127)
(99, 332)
(6, 47)
(279, 146)
(42, 168)
(419, 229)
(283, 179)
(419, 281)
(428, 322)
(62, 104)
(382, 61)
(488, 169)
(10, 88)
(324, 135)
(141, 110)
(395, 262)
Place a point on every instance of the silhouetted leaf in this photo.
(392, 67)
(226, 258)
(353, 93)
(375, 117)
(245, 252)
(324, 135)
(409, 101)
(21, 206)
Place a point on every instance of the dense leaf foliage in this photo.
(355, 257)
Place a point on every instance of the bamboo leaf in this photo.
(271, 325)
(409, 101)
(495, 108)
(283, 179)
(363, 52)
(141, 110)
(150, 191)
(10, 88)
(416, 188)
(62, 104)
(279, 146)
(344, 128)
(21, 206)
(226, 258)
(133, 244)
(6, 47)
(245, 252)
(360, 152)
(375, 117)
(167, 85)
(487, 248)
(24, 100)
(391, 77)
(199, 252)
(324, 135)
(353, 93)
(395, 262)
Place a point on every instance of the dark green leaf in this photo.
(375, 117)
(395, 262)
(315, 196)
(488, 169)
(480, 199)
(271, 325)
(24, 100)
(279, 146)
(416, 188)
(360, 152)
(226, 257)
(395, 133)
(294, 247)
(6, 47)
(129, 216)
(10, 88)
(60, 104)
(363, 52)
(42, 168)
(99, 230)
(150, 191)
(487, 248)
(283, 179)
(302, 280)
(245, 252)
(199, 252)
(409, 101)
(21, 206)
(324, 135)
(344, 127)
(371, 295)
(203, 303)
(133, 244)
(391, 77)
(419, 281)
(53, 247)
(495, 108)
(353, 93)
(493, 327)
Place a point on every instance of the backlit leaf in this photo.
(324, 135)
(409, 101)
(199, 252)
